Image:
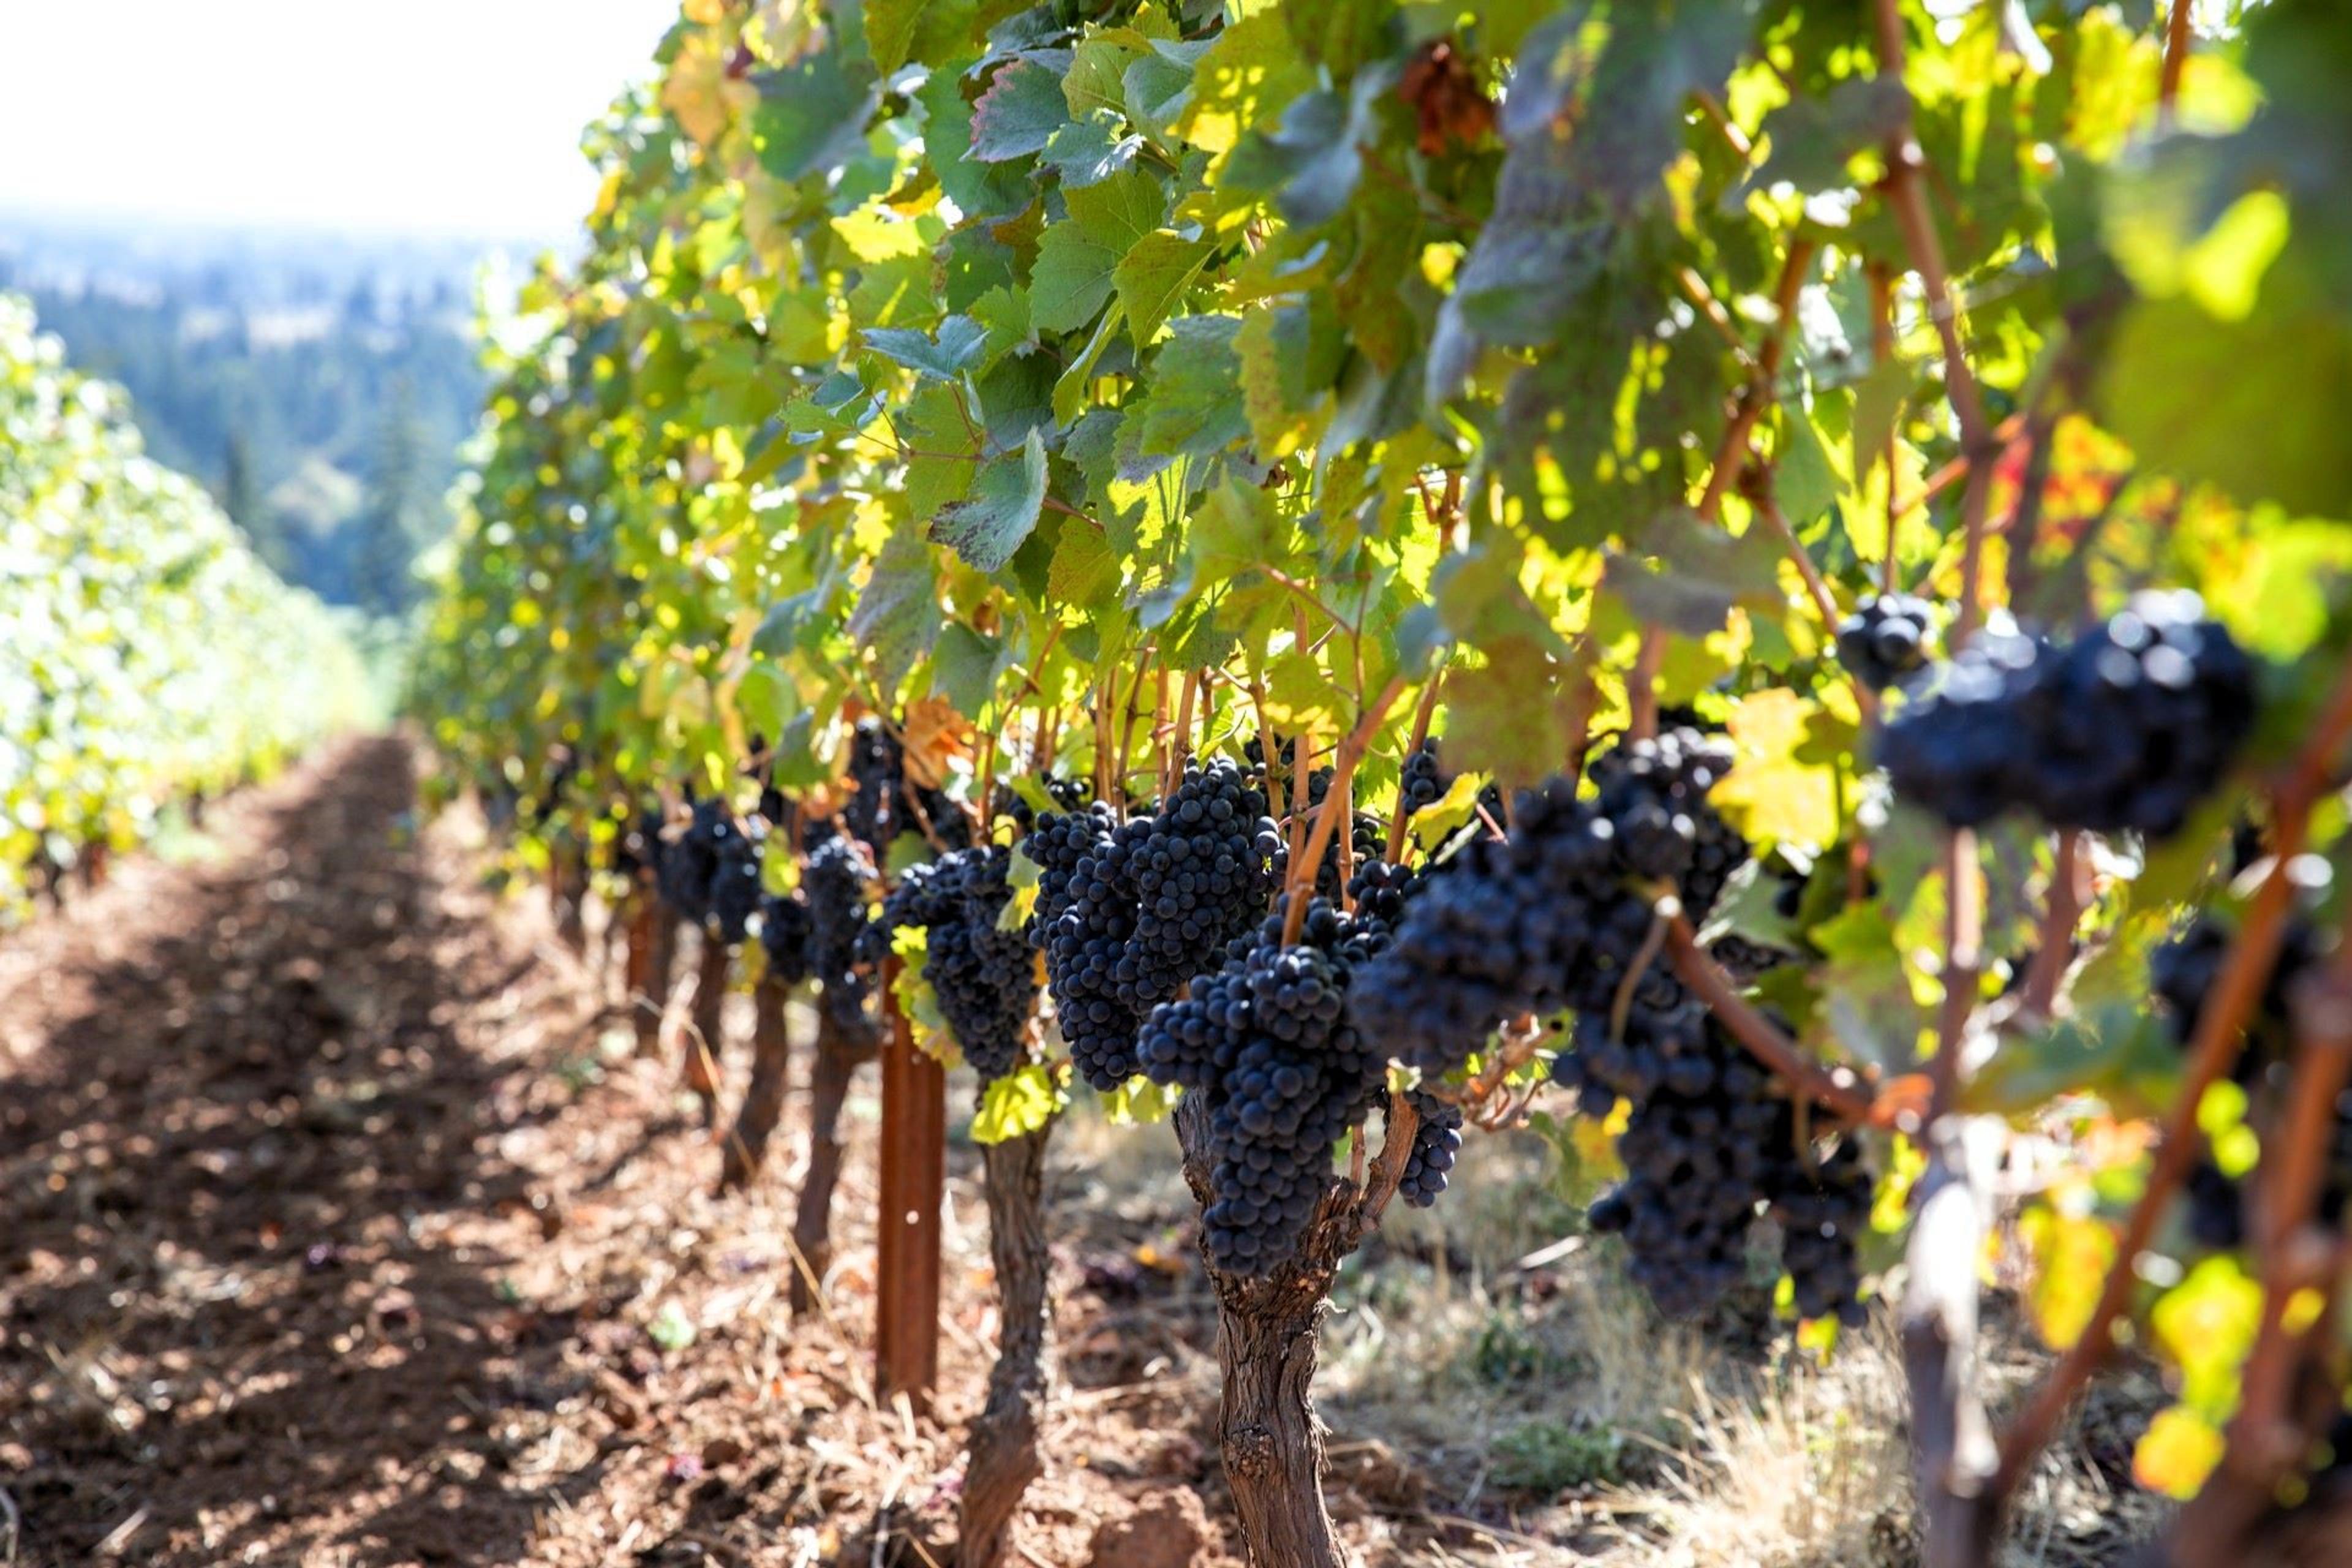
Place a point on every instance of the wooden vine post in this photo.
(914, 1186)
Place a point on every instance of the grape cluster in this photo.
(1128, 912)
(1821, 1208)
(1707, 1146)
(1424, 781)
(1082, 922)
(835, 880)
(1267, 1042)
(985, 979)
(687, 863)
(1885, 640)
(1549, 917)
(787, 932)
(886, 804)
(1436, 1141)
(1067, 794)
(735, 888)
(2125, 729)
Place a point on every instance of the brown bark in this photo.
(763, 1102)
(1953, 1449)
(700, 1048)
(633, 930)
(1269, 1334)
(839, 1051)
(571, 862)
(661, 962)
(1002, 1456)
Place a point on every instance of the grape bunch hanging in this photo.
(1284, 1071)
(2125, 729)
(1550, 917)
(1562, 915)
(1128, 911)
(887, 806)
(986, 978)
(835, 881)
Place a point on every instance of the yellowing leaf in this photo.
(2072, 1253)
(1139, 1101)
(701, 94)
(1020, 1102)
(2207, 1324)
(934, 734)
(1771, 797)
(2176, 1453)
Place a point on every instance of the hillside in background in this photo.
(319, 384)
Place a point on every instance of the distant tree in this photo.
(242, 498)
(397, 511)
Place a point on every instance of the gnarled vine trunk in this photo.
(700, 1048)
(839, 1051)
(649, 1003)
(763, 1102)
(1001, 1455)
(571, 916)
(1269, 1335)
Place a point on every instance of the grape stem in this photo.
(1748, 407)
(2291, 1194)
(2060, 912)
(2176, 56)
(1388, 1170)
(1309, 859)
(1837, 1088)
(1420, 718)
(2220, 1027)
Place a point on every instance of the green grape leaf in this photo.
(1191, 408)
(1310, 161)
(958, 345)
(1250, 73)
(1091, 149)
(1018, 114)
(1085, 573)
(898, 614)
(1007, 497)
(973, 186)
(1699, 575)
(1077, 257)
(811, 114)
(1157, 87)
(1151, 278)
(964, 665)
(1812, 138)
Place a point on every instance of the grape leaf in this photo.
(1007, 497)
(1019, 112)
(957, 346)
(1151, 278)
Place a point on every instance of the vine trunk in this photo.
(1003, 1456)
(1269, 1336)
(763, 1102)
(700, 1047)
(839, 1053)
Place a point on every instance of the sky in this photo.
(457, 118)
